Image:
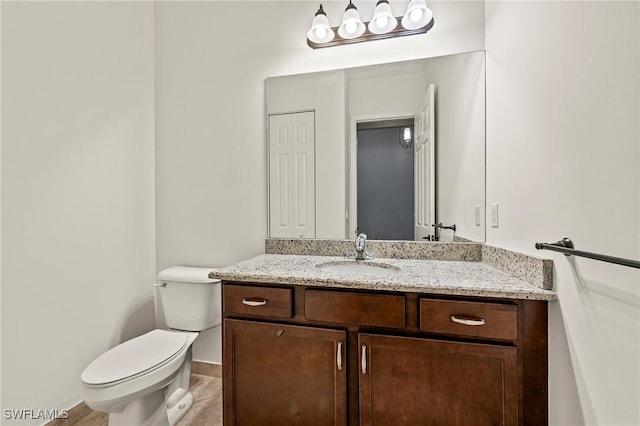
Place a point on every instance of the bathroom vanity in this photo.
(422, 342)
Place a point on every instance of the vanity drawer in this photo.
(258, 300)
(474, 319)
(380, 310)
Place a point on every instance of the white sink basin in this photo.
(365, 267)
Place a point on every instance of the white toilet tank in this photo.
(190, 300)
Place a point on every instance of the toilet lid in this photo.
(134, 357)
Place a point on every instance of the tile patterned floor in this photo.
(205, 411)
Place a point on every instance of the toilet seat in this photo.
(134, 357)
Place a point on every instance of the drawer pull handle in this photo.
(254, 302)
(339, 356)
(363, 362)
(467, 320)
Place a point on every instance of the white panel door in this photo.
(418, 171)
(425, 180)
(292, 175)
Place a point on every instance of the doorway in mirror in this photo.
(385, 180)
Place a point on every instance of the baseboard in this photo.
(75, 413)
(206, 369)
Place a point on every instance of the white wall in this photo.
(210, 114)
(563, 159)
(0, 204)
(77, 192)
(386, 96)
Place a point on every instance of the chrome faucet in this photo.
(361, 241)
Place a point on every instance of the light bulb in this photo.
(416, 15)
(382, 21)
(320, 31)
(352, 26)
(407, 133)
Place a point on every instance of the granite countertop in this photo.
(463, 278)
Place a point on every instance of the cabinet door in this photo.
(408, 381)
(283, 375)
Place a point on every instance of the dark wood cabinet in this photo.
(283, 375)
(302, 355)
(412, 381)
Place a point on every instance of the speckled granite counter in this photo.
(462, 278)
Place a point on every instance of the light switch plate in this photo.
(477, 215)
(494, 215)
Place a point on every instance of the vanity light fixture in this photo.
(417, 20)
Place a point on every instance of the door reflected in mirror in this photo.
(365, 174)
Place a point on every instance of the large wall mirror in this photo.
(390, 150)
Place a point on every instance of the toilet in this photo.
(145, 380)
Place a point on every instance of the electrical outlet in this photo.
(494, 215)
(477, 215)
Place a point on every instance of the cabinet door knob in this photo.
(363, 362)
(467, 320)
(339, 356)
(254, 302)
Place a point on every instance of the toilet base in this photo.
(178, 399)
(149, 410)
(177, 411)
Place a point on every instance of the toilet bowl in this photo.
(145, 380)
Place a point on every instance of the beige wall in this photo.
(563, 159)
(77, 192)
